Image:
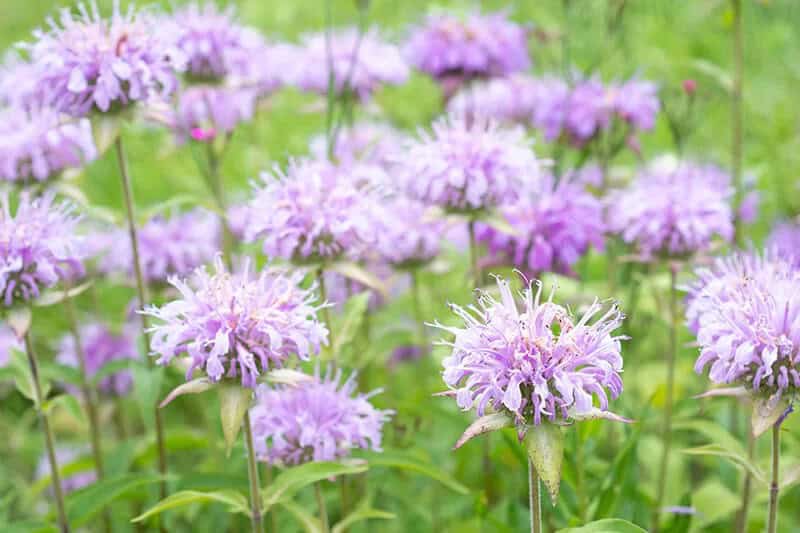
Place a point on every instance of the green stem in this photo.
(218, 191)
(741, 518)
(473, 255)
(772, 526)
(252, 474)
(534, 499)
(142, 300)
(49, 441)
(736, 111)
(323, 511)
(331, 96)
(323, 296)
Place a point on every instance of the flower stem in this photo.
(473, 254)
(747, 487)
(218, 191)
(49, 441)
(323, 511)
(772, 526)
(142, 300)
(667, 423)
(736, 112)
(323, 296)
(534, 499)
(252, 473)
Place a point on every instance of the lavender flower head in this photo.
(38, 246)
(231, 325)
(217, 110)
(368, 142)
(551, 97)
(784, 240)
(65, 456)
(466, 167)
(19, 84)
(750, 333)
(410, 233)
(315, 211)
(168, 246)
(359, 63)
(322, 420)
(509, 99)
(536, 362)
(673, 209)
(555, 225)
(100, 347)
(91, 63)
(467, 47)
(37, 144)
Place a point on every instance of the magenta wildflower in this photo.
(537, 362)
(231, 325)
(322, 420)
(38, 246)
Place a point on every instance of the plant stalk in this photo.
(772, 525)
(323, 511)
(252, 474)
(218, 191)
(323, 296)
(534, 499)
(747, 487)
(473, 255)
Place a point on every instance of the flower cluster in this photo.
(87, 62)
(673, 209)
(536, 362)
(212, 109)
(463, 166)
(100, 347)
(554, 226)
(322, 420)
(749, 328)
(367, 142)
(19, 84)
(231, 325)
(784, 240)
(411, 234)
(38, 246)
(37, 144)
(316, 210)
(509, 99)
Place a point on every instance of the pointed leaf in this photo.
(57, 296)
(484, 424)
(607, 525)
(595, 414)
(105, 130)
(738, 460)
(295, 478)
(767, 411)
(412, 464)
(362, 512)
(736, 392)
(790, 476)
(309, 522)
(146, 388)
(83, 505)
(545, 445)
(498, 221)
(235, 501)
(19, 320)
(358, 273)
(287, 376)
(234, 401)
(196, 386)
(68, 402)
(354, 311)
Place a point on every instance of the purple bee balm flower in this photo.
(466, 167)
(36, 145)
(321, 420)
(535, 362)
(554, 225)
(750, 332)
(91, 63)
(8, 343)
(167, 246)
(551, 97)
(410, 233)
(368, 142)
(19, 84)
(449, 46)
(38, 246)
(673, 209)
(101, 346)
(232, 325)
(315, 211)
(784, 240)
(65, 456)
(510, 99)
(360, 63)
(209, 108)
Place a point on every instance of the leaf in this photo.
(310, 523)
(607, 525)
(57, 296)
(78, 466)
(358, 273)
(714, 72)
(354, 310)
(361, 513)
(790, 476)
(234, 401)
(286, 376)
(714, 432)
(30, 526)
(595, 414)
(499, 222)
(295, 478)
(735, 458)
(147, 387)
(484, 424)
(105, 129)
(730, 392)
(767, 411)
(612, 488)
(404, 462)
(196, 386)
(236, 502)
(23, 380)
(85, 504)
(68, 402)
(545, 446)
(19, 320)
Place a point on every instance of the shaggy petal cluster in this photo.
(468, 47)
(87, 62)
(464, 166)
(555, 226)
(368, 142)
(214, 109)
(535, 361)
(315, 210)
(784, 240)
(358, 63)
(19, 83)
(167, 246)
(749, 332)
(230, 325)
(410, 234)
(551, 100)
(38, 144)
(673, 210)
(65, 456)
(100, 347)
(38, 246)
(510, 99)
(322, 420)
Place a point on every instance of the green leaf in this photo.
(295, 478)
(196, 386)
(346, 331)
(485, 424)
(57, 296)
(106, 128)
(738, 460)
(236, 502)
(358, 273)
(147, 386)
(80, 465)
(68, 402)
(309, 522)
(790, 476)
(611, 490)
(85, 504)
(608, 525)
(23, 380)
(714, 432)
(234, 401)
(767, 411)
(716, 73)
(30, 526)
(545, 445)
(359, 514)
(405, 462)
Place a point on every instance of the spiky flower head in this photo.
(674, 209)
(217, 110)
(38, 246)
(88, 62)
(784, 240)
(410, 233)
(315, 211)
(37, 144)
(237, 325)
(19, 83)
(468, 165)
(100, 347)
(553, 227)
(533, 360)
(321, 420)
